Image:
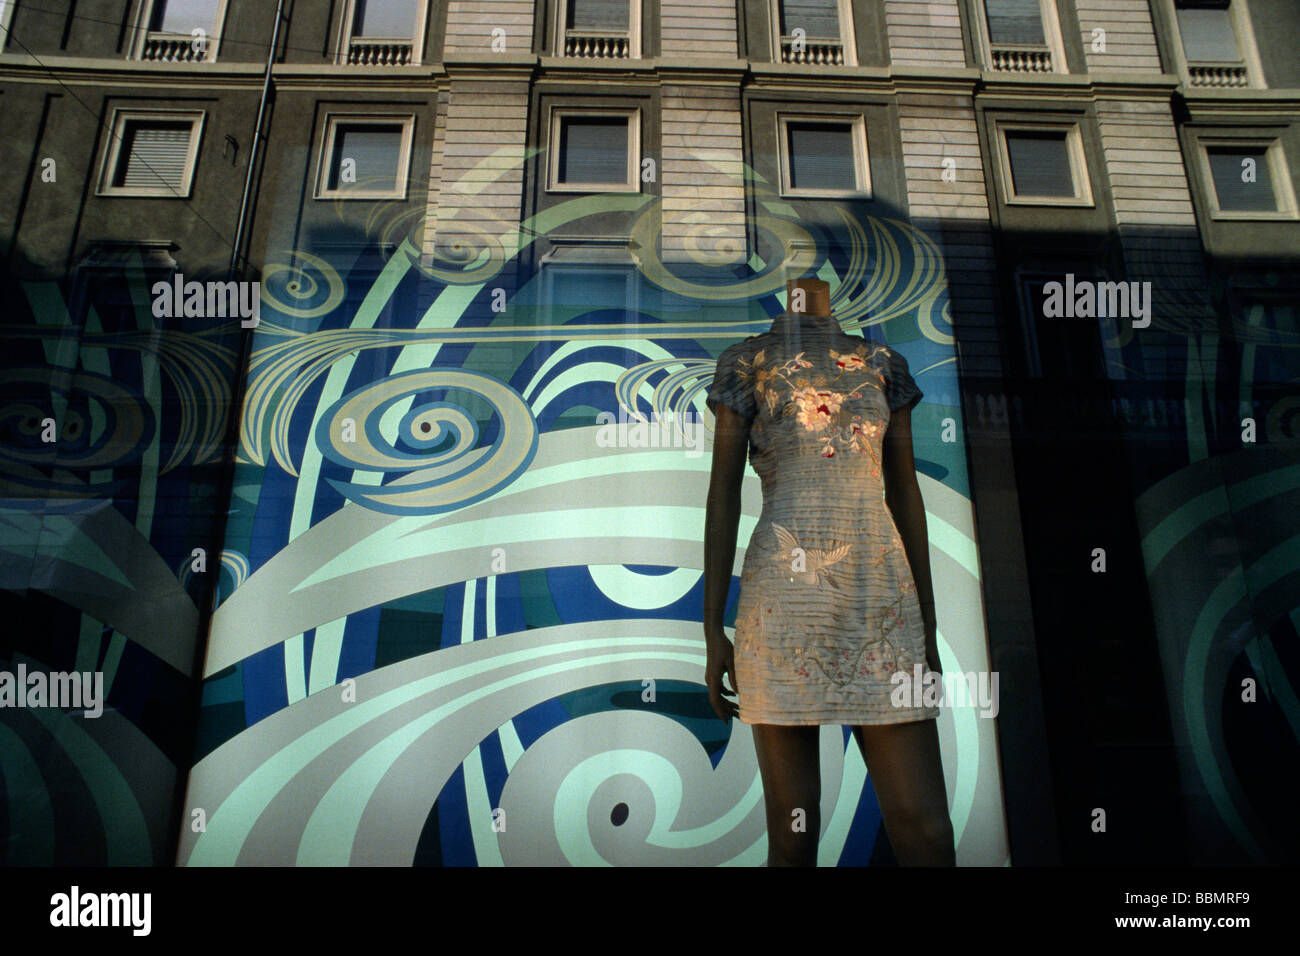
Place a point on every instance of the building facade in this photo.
(479, 185)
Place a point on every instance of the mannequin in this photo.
(792, 630)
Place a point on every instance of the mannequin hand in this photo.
(932, 655)
(932, 660)
(720, 660)
(931, 641)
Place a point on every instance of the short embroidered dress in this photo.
(828, 610)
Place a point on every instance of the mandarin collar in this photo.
(787, 322)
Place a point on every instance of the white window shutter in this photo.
(155, 155)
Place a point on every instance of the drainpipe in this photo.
(257, 140)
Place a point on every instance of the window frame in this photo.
(1075, 151)
(1283, 192)
(144, 13)
(335, 118)
(349, 13)
(1053, 41)
(635, 12)
(1244, 33)
(1245, 294)
(558, 113)
(569, 261)
(848, 38)
(857, 123)
(112, 154)
(1106, 327)
(6, 18)
(108, 257)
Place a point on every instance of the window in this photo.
(1020, 36)
(599, 28)
(151, 153)
(6, 15)
(589, 274)
(1062, 346)
(179, 31)
(1270, 310)
(1217, 44)
(365, 157)
(101, 278)
(1247, 178)
(382, 32)
(823, 156)
(1043, 164)
(586, 288)
(1015, 21)
(827, 36)
(595, 150)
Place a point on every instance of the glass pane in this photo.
(374, 151)
(598, 15)
(1229, 166)
(1040, 163)
(821, 156)
(1015, 21)
(593, 150)
(819, 18)
(1208, 36)
(589, 288)
(183, 16)
(385, 18)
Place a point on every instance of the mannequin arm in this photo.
(903, 498)
(722, 516)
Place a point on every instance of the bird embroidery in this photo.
(808, 565)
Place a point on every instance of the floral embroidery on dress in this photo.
(848, 360)
(828, 611)
(816, 409)
(821, 404)
(875, 659)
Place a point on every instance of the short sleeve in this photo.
(901, 391)
(731, 387)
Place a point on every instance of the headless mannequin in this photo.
(903, 759)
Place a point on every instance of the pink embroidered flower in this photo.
(865, 429)
(800, 362)
(816, 409)
(848, 360)
(828, 451)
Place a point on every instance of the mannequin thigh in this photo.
(790, 764)
(906, 769)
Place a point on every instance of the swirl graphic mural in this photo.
(438, 478)
(485, 647)
(546, 579)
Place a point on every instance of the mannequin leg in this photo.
(790, 764)
(907, 772)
